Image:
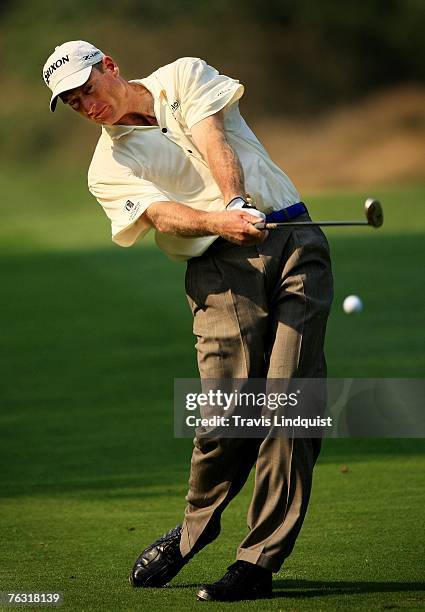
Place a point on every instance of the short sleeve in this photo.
(203, 91)
(124, 197)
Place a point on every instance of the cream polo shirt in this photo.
(134, 166)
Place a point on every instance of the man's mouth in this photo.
(98, 116)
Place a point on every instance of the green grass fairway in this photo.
(92, 337)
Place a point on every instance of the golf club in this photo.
(373, 213)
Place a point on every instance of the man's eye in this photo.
(74, 104)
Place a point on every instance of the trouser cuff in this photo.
(257, 558)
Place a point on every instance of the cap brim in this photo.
(70, 82)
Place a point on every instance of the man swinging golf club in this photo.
(176, 157)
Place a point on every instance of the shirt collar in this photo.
(116, 131)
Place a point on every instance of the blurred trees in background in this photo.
(294, 56)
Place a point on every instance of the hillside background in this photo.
(336, 90)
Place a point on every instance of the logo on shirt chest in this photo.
(175, 105)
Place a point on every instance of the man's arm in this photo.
(181, 220)
(210, 138)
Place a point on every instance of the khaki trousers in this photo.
(258, 312)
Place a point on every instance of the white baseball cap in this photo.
(69, 66)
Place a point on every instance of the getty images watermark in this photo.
(299, 408)
(223, 402)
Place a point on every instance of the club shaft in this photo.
(272, 226)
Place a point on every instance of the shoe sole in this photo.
(148, 583)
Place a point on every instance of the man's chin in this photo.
(120, 121)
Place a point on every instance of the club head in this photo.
(374, 212)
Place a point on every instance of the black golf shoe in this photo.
(159, 562)
(242, 580)
(162, 560)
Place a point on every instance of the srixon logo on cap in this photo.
(57, 64)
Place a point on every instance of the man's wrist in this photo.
(210, 223)
(237, 201)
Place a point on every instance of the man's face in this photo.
(102, 97)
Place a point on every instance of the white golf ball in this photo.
(352, 303)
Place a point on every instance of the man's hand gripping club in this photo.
(242, 223)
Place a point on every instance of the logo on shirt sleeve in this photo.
(131, 208)
(223, 91)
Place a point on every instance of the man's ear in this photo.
(110, 66)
